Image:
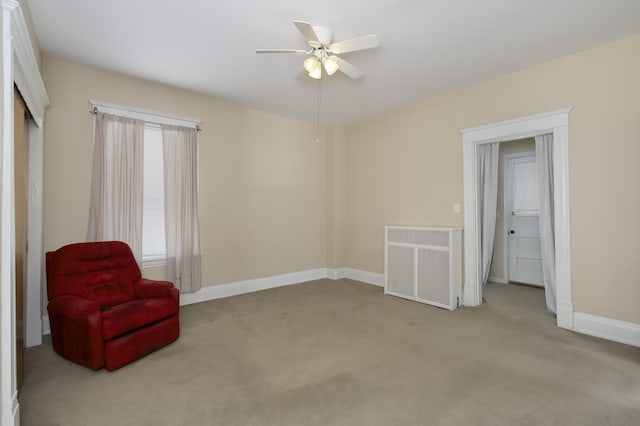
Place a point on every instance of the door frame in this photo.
(557, 123)
(506, 199)
(19, 67)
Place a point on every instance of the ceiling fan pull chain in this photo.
(318, 113)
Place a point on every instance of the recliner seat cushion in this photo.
(128, 316)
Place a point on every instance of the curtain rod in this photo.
(144, 115)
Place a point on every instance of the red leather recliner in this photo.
(101, 311)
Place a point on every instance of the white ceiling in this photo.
(427, 46)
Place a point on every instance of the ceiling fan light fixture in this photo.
(330, 65)
(311, 63)
(316, 72)
(323, 51)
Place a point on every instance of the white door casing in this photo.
(557, 123)
(19, 67)
(522, 220)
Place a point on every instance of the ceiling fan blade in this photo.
(361, 43)
(302, 74)
(308, 33)
(296, 51)
(350, 70)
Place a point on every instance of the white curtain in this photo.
(488, 158)
(115, 209)
(181, 207)
(544, 169)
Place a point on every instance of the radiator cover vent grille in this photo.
(424, 264)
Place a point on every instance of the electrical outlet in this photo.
(456, 208)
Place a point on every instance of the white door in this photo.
(521, 192)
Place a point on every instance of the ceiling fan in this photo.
(323, 52)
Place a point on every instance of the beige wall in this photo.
(406, 167)
(263, 201)
(274, 201)
(336, 197)
(513, 147)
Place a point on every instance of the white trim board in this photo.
(249, 286)
(26, 72)
(19, 67)
(373, 278)
(606, 328)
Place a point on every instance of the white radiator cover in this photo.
(424, 264)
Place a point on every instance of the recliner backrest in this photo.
(103, 271)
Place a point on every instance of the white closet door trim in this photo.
(556, 122)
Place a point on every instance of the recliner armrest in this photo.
(146, 289)
(72, 307)
(76, 330)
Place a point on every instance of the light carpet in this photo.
(342, 353)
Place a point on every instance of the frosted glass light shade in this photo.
(331, 65)
(316, 73)
(311, 63)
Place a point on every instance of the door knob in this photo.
(512, 232)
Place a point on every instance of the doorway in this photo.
(556, 123)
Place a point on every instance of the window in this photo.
(153, 227)
(141, 197)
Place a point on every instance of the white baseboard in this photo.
(367, 277)
(46, 329)
(564, 316)
(11, 411)
(248, 286)
(336, 273)
(469, 295)
(498, 280)
(606, 328)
